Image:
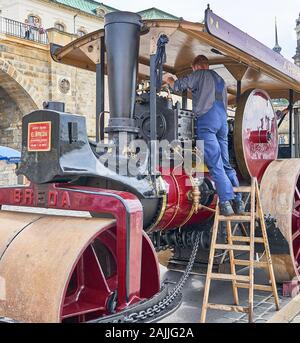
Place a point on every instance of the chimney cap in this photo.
(123, 17)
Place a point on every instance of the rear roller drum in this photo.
(280, 192)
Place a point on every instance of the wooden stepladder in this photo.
(249, 241)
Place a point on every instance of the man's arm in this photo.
(182, 84)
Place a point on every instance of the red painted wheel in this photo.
(93, 282)
(90, 292)
(280, 194)
(64, 269)
(255, 134)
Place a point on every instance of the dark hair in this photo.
(200, 60)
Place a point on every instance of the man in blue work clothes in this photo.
(210, 108)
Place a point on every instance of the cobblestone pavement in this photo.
(221, 292)
(296, 320)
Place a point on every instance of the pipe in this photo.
(100, 95)
(122, 40)
(291, 110)
(153, 116)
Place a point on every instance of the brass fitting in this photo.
(196, 196)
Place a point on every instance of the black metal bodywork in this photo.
(71, 156)
(172, 123)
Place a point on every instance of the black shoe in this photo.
(226, 209)
(239, 207)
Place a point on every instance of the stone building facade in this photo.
(29, 76)
(8, 175)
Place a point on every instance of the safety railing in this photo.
(23, 30)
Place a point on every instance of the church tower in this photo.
(297, 56)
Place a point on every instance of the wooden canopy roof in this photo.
(231, 52)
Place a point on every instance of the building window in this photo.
(60, 27)
(33, 20)
(81, 32)
(100, 12)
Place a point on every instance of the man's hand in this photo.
(169, 80)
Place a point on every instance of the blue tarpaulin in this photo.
(9, 155)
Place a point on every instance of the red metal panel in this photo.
(179, 205)
(39, 136)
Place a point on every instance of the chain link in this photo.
(167, 301)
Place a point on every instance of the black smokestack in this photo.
(122, 40)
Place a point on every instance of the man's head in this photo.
(200, 62)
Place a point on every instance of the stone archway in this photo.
(17, 98)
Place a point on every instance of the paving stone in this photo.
(296, 320)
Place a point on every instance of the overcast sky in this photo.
(256, 17)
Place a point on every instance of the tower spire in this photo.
(277, 47)
(297, 56)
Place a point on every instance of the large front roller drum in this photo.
(280, 194)
(62, 269)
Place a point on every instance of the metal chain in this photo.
(164, 303)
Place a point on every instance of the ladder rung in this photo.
(228, 308)
(247, 239)
(230, 277)
(247, 263)
(259, 240)
(242, 189)
(256, 287)
(235, 218)
(232, 247)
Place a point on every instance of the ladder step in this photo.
(229, 308)
(247, 239)
(264, 288)
(259, 240)
(235, 218)
(242, 189)
(230, 277)
(232, 247)
(247, 263)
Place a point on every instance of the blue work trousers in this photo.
(212, 128)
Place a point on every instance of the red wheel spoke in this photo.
(297, 192)
(296, 214)
(296, 235)
(298, 254)
(297, 204)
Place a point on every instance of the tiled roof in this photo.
(91, 7)
(155, 13)
(88, 6)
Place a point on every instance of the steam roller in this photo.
(103, 266)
